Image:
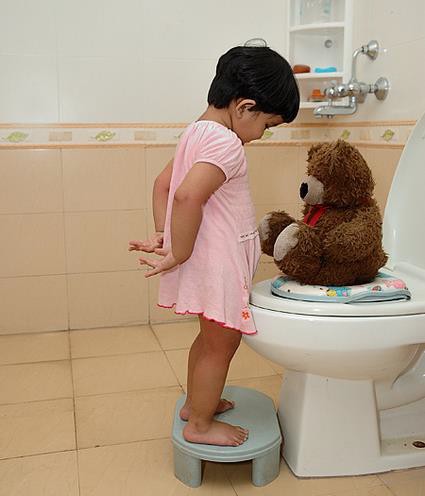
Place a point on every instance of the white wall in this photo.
(399, 26)
(153, 60)
(126, 61)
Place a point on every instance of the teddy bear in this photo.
(339, 240)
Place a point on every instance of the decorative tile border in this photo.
(12, 136)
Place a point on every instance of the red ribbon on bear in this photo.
(314, 214)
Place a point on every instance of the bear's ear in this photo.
(341, 152)
(313, 150)
(342, 148)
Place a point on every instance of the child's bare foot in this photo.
(218, 433)
(223, 406)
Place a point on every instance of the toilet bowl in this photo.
(353, 394)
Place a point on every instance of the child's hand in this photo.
(149, 246)
(161, 265)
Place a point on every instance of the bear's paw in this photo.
(286, 240)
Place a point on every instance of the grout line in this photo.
(74, 415)
(91, 357)
(60, 398)
(37, 454)
(74, 397)
(110, 393)
(76, 450)
(125, 442)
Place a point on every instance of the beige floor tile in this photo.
(178, 360)
(397, 477)
(268, 385)
(112, 341)
(35, 428)
(34, 347)
(55, 474)
(372, 491)
(125, 417)
(276, 367)
(288, 484)
(143, 469)
(248, 364)
(245, 364)
(122, 373)
(35, 381)
(176, 335)
(411, 488)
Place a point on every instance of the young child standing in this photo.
(206, 230)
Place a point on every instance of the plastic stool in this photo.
(254, 411)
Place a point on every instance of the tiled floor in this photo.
(89, 413)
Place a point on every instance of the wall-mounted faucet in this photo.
(355, 91)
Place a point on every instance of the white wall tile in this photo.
(205, 30)
(99, 27)
(28, 88)
(395, 22)
(101, 89)
(405, 99)
(140, 60)
(399, 28)
(176, 89)
(27, 28)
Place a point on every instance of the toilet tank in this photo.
(404, 219)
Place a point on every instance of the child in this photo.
(206, 230)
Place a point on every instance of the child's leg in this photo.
(195, 351)
(209, 376)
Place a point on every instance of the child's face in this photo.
(250, 124)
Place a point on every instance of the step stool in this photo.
(253, 411)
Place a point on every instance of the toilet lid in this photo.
(261, 296)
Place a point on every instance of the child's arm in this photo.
(159, 203)
(198, 185)
(161, 188)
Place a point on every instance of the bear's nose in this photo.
(303, 190)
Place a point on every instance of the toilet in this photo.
(352, 399)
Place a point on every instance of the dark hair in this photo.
(258, 73)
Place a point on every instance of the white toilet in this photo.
(353, 394)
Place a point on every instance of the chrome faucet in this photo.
(355, 91)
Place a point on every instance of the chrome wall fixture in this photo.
(356, 91)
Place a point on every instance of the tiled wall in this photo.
(126, 61)
(147, 61)
(66, 216)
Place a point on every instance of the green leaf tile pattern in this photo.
(388, 135)
(104, 136)
(16, 137)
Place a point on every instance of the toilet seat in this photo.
(414, 277)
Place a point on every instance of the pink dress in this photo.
(216, 280)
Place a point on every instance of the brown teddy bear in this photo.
(339, 242)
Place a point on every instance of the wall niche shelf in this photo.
(319, 34)
(317, 27)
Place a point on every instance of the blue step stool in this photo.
(254, 411)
